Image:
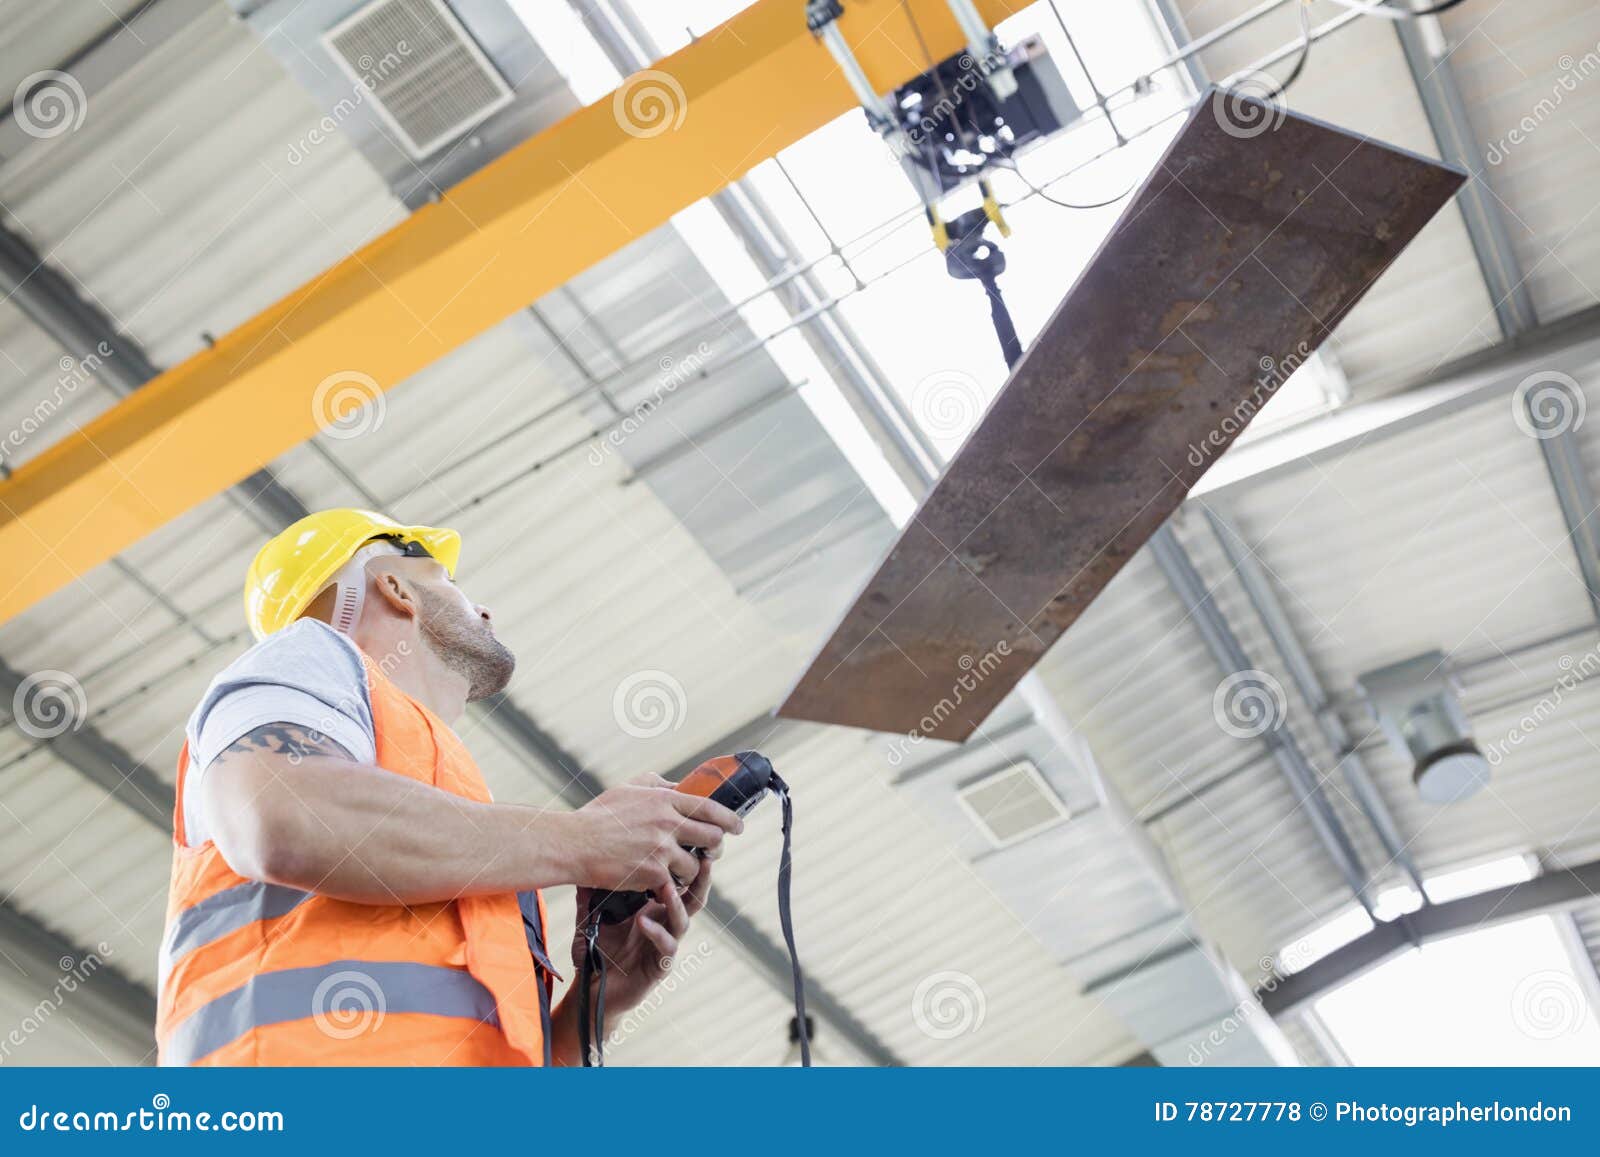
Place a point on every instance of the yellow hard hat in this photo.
(295, 567)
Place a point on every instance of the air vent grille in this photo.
(425, 76)
(1012, 804)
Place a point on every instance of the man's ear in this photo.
(395, 591)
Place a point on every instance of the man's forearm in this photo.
(361, 833)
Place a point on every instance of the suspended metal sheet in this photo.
(1253, 236)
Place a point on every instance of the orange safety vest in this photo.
(260, 974)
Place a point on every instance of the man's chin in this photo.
(492, 674)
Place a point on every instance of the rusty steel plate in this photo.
(1252, 237)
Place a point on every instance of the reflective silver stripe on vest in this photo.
(227, 911)
(348, 998)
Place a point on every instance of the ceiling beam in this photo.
(1568, 346)
(1423, 43)
(102, 762)
(88, 335)
(1555, 890)
(907, 447)
(1554, 406)
(105, 999)
(516, 229)
(1258, 588)
(126, 41)
(1231, 659)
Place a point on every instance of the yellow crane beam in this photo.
(518, 228)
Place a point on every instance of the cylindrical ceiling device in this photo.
(1416, 704)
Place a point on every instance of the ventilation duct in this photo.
(1011, 804)
(429, 81)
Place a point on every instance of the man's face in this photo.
(458, 631)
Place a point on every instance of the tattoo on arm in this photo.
(290, 739)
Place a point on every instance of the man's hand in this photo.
(635, 836)
(639, 951)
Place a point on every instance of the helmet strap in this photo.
(350, 586)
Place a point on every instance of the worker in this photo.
(344, 891)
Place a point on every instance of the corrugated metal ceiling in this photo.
(176, 205)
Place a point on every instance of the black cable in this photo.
(1282, 86)
(1011, 164)
(592, 963)
(786, 919)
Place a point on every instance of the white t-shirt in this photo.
(306, 674)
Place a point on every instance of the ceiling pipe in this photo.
(1270, 611)
(1231, 659)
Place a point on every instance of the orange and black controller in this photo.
(736, 781)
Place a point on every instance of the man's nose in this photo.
(483, 613)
